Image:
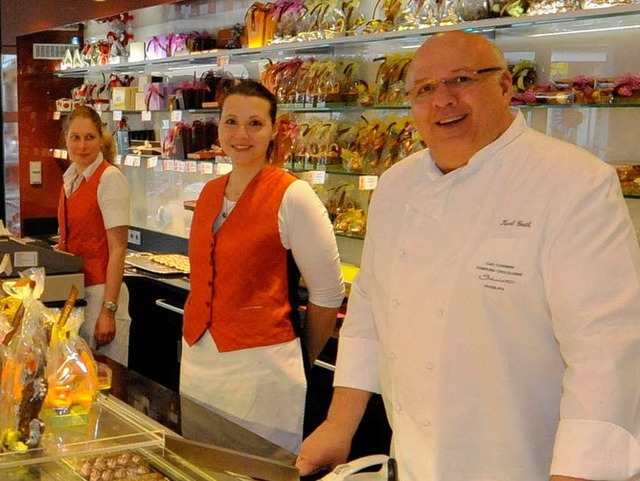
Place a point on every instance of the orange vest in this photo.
(82, 229)
(239, 288)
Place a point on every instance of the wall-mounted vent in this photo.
(50, 51)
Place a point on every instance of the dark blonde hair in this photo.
(108, 146)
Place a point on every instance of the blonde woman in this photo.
(93, 217)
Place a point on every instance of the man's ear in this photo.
(506, 82)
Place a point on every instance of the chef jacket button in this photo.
(392, 355)
(426, 423)
(395, 302)
(398, 408)
(430, 366)
(439, 312)
(402, 253)
(210, 283)
(207, 303)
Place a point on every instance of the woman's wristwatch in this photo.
(110, 306)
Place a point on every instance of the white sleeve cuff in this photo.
(595, 450)
(357, 364)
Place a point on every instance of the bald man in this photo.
(497, 309)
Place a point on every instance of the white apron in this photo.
(262, 389)
(118, 349)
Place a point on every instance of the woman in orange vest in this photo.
(93, 217)
(254, 231)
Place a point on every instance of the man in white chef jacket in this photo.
(498, 306)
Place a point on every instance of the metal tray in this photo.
(143, 261)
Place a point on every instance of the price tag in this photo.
(130, 160)
(316, 176)
(176, 115)
(223, 60)
(118, 159)
(168, 165)
(367, 182)
(152, 162)
(56, 115)
(178, 165)
(223, 168)
(146, 116)
(192, 166)
(136, 161)
(117, 115)
(25, 259)
(206, 167)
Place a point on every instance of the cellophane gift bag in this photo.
(71, 370)
(24, 386)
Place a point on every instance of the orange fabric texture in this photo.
(239, 290)
(82, 231)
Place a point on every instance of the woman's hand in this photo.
(105, 330)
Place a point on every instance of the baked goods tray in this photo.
(144, 261)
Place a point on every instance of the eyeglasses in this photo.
(425, 90)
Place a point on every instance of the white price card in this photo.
(315, 177)
(176, 115)
(178, 165)
(56, 115)
(130, 160)
(25, 259)
(146, 116)
(168, 165)
(118, 159)
(223, 60)
(117, 115)
(152, 162)
(136, 161)
(367, 182)
(206, 167)
(223, 168)
(192, 166)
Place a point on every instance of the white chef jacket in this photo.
(498, 313)
(263, 389)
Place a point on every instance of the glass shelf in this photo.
(350, 236)
(617, 17)
(337, 108)
(109, 428)
(331, 171)
(614, 105)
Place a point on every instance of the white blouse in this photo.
(113, 192)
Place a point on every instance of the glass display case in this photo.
(590, 43)
(119, 442)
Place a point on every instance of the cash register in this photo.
(62, 270)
